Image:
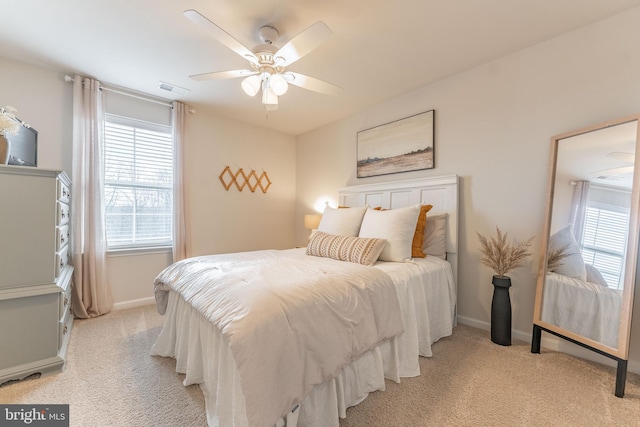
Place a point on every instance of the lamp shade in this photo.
(312, 221)
(278, 84)
(251, 85)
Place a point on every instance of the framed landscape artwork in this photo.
(401, 146)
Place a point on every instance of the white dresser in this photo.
(35, 274)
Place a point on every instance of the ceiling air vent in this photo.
(172, 88)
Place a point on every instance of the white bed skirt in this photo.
(203, 355)
(584, 308)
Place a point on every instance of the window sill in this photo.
(139, 251)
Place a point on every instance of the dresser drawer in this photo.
(65, 301)
(64, 327)
(30, 329)
(64, 194)
(62, 213)
(62, 259)
(63, 234)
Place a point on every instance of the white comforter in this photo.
(584, 308)
(326, 314)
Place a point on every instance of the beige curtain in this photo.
(91, 290)
(179, 228)
(579, 209)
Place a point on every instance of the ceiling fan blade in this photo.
(311, 83)
(220, 34)
(303, 43)
(223, 75)
(625, 157)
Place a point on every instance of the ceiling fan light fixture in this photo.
(278, 84)
(267, 61)
(251, 85)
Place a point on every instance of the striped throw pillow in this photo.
(346, 248)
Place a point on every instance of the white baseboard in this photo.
(553, 343)
(133, 303)
(474, 323)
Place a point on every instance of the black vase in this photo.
(501, 311)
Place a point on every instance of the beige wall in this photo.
(493, 129)
(43, 100)
(232, 221)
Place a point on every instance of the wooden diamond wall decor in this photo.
(264, 177)
(241, 180)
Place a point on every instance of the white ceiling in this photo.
(379, 48)
(592, 156)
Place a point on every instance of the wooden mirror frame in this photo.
(621, 353)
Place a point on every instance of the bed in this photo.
(576, 297)
(584, 308)
(252, 370)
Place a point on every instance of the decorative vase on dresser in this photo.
(35, 277)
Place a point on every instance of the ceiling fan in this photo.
(268, 64)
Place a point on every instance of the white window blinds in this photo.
(604, 241)
(138, 183)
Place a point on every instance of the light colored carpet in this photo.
(111, 380)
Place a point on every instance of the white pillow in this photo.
(345, 248)
(594, 276)
(435, 233)
(396, 226)
(342, 221)
(571, 265)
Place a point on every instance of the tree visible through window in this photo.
(605, 240)
(138, 183)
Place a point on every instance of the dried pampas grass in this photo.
(555, 256)
(501, 256)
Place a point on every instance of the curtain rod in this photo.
(120, 92)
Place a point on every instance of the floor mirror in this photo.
(589, 250)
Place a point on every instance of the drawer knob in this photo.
(66, 301)
(64, 331)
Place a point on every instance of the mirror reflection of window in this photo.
(604, 239)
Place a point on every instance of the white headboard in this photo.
(439, 191)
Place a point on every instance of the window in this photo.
(604, 240)
(138, 183)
